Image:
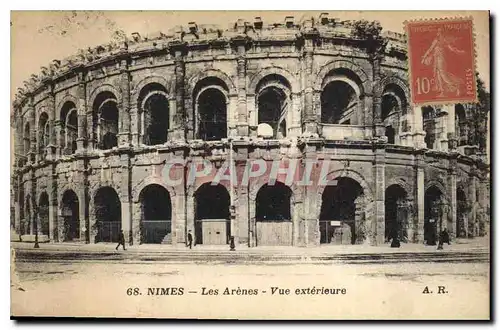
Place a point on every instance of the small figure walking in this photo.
(446, 236)
(440, 242)
(189, 239)
(395, 242)
(121, 241)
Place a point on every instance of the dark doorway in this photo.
(396, 214)
(431, 215)
(27, 216)
(212, 115)
(70, 214)
(43, 213)
(461, 214)
(212, 216)
(339, 103)
(106, 119)
(338, 210)
(156, 115)
(390, 133)
(108, 215)
(156, 215)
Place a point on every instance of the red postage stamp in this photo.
(442, 61)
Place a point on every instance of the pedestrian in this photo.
(440, 240)
(395, 242)
(446, 236)
(189, 239)
(121, 241)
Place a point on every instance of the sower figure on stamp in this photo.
(121, 241)
(189, 239)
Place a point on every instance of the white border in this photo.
(186, 5)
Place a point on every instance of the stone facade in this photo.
(83, 131)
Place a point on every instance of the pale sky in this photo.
(37, 38)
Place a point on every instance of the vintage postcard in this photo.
(251, 165)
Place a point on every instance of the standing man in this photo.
(190, 239)
(121, 241)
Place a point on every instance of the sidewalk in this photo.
(480, 244)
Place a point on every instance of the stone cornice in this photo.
(193, 36)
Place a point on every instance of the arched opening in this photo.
(212, 112)
(43, 213)
(337, 220)
(155, 114)
(27, 216)
(69, 128)
(431, 215)
(274, 215)
(429, 123)
(156, 215)
(26, 138)
(339, 103)
(105, 120)
(70, 216)
(462, 209)
(394, 106)
(43, 134)
(461, 130)
(274, 101)
(108, 215)
(212, 217)
(396, 214)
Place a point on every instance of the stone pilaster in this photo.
(53, 206)
(180, 116)
(242, 123)
(379, 198)
(33, 133)
(51, 147)
(310, 118)
(242, 199)
(125, 115)
(125, 198)
(172, 110)
(473, 185)
(311, 204)
(377, 98)
(82, 116)
(452, 216)
(418, 128)
(420, 197)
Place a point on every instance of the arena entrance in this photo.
(27, 216)
(212, 217)
(43, 213)
(108, 215)
(396, 214)
(273, 215)
(462, 229)
(70, 209)
(431, 215)
(337, 220)
(156, 215)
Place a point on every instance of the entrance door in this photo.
(214, 232)
(277, 233)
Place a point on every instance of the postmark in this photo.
(441, 61)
